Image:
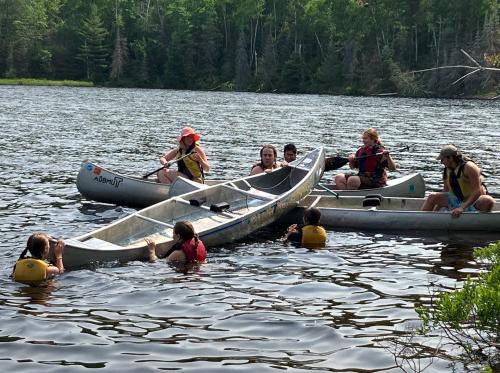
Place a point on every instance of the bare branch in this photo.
(472, 59)
(465, 76)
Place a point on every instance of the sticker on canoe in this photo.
(89, 167)
(412, 188)
(97, 170)
(116, 181)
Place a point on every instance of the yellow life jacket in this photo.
(30, 271)
(313, 236)
(189, 167)
(463, 181)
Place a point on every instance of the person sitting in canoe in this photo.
(372, 161)
(188, 249)
(268, 160)
(191, 159)
(289, 153)
(36, 269)
(311, 234)
(462, 190)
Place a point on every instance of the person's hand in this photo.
(268, 170)
(292, 228)
(457, 212)
(151, 249)
(284, 164)
(58, 249)
(351, 157)
(195, 156)
(385, 155)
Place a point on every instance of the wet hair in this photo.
(290, 147)
(312, 215)
(185, 230)
(36, 245)
(269, 146)
(373, 134)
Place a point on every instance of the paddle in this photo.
(169, 163)
(332, 163)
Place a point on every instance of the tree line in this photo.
(310, 46)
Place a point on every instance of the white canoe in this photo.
(251, 203)
(412, 185)
(397, 214)
(100, 184)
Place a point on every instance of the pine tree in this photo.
(242, 73)
(93, 51)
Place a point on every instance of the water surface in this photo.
(256, 305)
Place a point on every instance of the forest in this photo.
(357, 47)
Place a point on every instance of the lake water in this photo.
(256, 305)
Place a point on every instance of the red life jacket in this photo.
(371, 167)
(194, 250)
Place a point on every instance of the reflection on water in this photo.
(256, 305)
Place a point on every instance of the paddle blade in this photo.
(333, 163)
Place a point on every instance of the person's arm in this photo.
(151, 250)
(353, 161)
(472, 172)
(386, 156)
(164, 159)
(58, 268)
(200, 157)
(256, 170)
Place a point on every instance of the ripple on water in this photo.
(256, 305)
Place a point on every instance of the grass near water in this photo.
(45, 82)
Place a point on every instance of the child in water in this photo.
(36, 269)
(311, 234)
(187, 250)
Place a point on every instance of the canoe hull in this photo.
(250, 204)
(99, 184)
(411, 186)
(398, 214)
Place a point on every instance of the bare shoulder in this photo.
(471, 169)
(256, 169)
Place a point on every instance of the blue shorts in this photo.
(454, 202)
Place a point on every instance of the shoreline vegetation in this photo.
(46, 82)
(406, 48)
(487, 95)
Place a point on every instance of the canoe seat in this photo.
(219, 207)
(372, 201)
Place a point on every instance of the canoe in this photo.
(392, 213)
(221, 213)
(412, 185)
(100, 184)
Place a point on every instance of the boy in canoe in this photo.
(462, 189)
(311, 234)
(36, 269)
